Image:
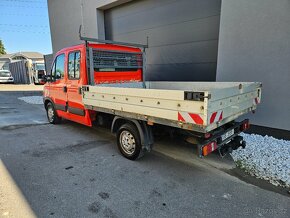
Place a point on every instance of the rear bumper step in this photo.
(232, 141)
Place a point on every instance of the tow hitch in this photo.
(225, 141)
(234, 144)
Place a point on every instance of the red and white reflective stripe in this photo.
(190, 118)
(213, 146)
(216, 116)
(256, 101)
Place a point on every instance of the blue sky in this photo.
(24, 26)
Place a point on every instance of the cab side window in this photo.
(74, 65)
(58, 68)
(71, 62)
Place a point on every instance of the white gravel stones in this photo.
(32, 99)
(265, 157)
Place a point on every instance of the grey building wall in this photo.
(254, 45)
(65, 17)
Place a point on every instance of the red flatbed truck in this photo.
(104, 83)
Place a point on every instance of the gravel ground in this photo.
(32, 99)
(265, 157)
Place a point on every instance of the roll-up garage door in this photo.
(183, 36)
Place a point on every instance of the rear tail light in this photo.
(210, 147)
(245, 126)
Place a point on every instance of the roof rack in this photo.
(87, 39)
(89, 50)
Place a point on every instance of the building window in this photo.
(74, 65)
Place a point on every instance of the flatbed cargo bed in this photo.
(196, 106)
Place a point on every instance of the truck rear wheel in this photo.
(128, 141)
(52, 116)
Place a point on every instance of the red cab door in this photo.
(75, 79)
(58, 89)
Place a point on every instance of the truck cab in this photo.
(112, 63)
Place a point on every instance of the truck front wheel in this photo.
(52, 116)
(128, 141)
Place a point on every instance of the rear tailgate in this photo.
(226, 104)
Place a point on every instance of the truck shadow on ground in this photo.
(179, 149)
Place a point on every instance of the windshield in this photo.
(5, 74)
(39, 67)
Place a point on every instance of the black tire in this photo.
(51, 114)
(129, 131)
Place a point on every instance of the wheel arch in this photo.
(145, 131)
(57, 118)
(46, 101)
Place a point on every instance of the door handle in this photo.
(64, 89)
(80, 90)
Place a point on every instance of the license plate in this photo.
(228, 134)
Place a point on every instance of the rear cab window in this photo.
(74, 65)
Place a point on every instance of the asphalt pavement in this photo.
(70, 170)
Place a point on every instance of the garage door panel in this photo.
(181, 72)
(176, 12)
(135, 7)
(193, 31)
(197, 52)
(183, 36)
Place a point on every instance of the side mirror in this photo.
(47, 78)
